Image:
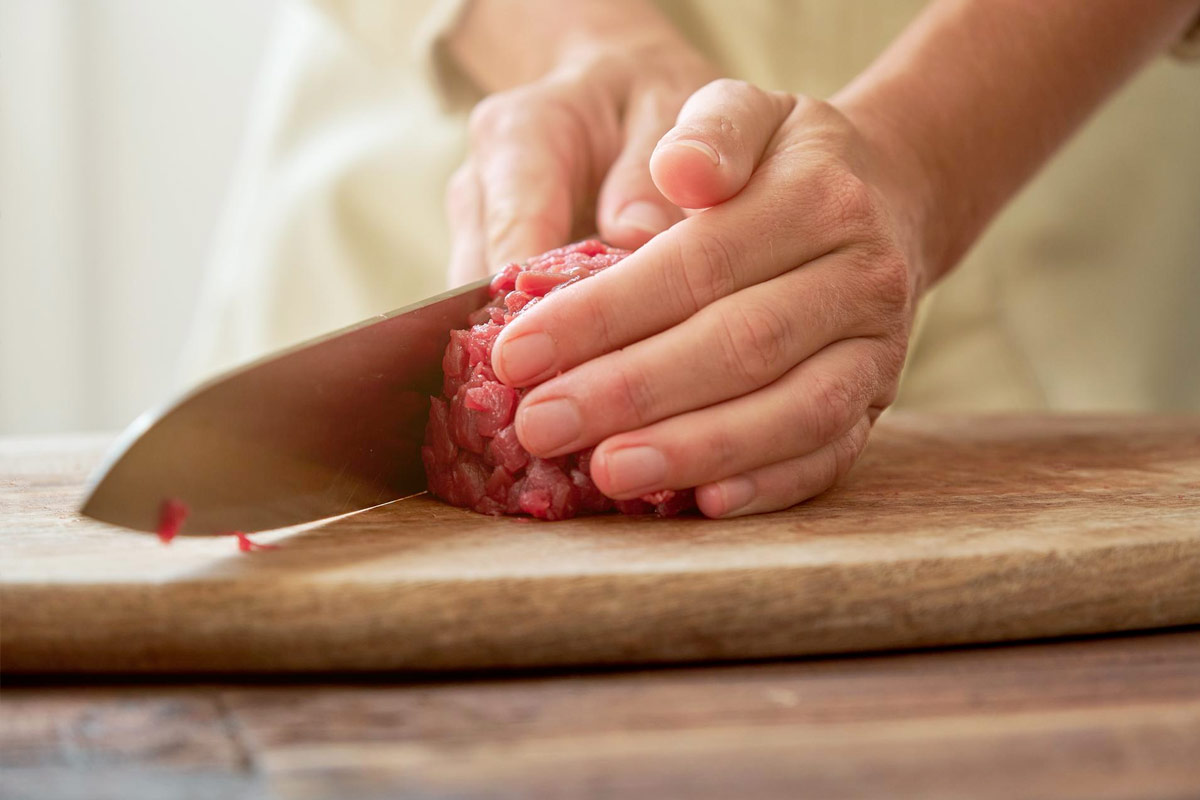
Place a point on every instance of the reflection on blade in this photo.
(324, 428)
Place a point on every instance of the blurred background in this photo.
(123, 124)
(114, 163)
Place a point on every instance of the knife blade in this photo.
(326, 427)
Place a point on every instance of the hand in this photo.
(747, 350)
(566, 155)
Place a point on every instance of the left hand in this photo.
(747, 350)
(561, 151)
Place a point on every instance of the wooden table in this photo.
(1111, 717)
(949, 532)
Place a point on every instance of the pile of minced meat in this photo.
(472, 456)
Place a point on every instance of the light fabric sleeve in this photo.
(334, 211)
(391, 33)
(1082, 295)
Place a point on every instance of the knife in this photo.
(326, 427)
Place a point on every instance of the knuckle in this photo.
(635, 396)
(704, 271)
(783, 102)
(578, 302)
(808, 105)
(832, 400)
(882, 380)
(507, 223)
(717, 451)
(893, 351)
(850, 201)
(891, 286)
(883, 400)
(847, 449)
(826, 477)
(511, 114)
(755, 339)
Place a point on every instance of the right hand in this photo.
(567, 155)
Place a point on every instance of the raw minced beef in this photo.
(472, 455)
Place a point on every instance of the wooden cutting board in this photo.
(950, 530)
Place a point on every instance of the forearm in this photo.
(976, 94)
(502, 44)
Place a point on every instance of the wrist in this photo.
(648, 59)
(915, 188)
(541, 38)
(972, 98)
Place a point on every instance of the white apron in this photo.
(1084, 293)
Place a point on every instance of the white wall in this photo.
(119, 124)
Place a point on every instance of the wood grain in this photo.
(951, 530)
(1115, 717)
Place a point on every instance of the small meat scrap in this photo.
(171, 516)
(472, 455)
(247, 546)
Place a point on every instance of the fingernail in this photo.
(736, 493)
(550, 424)
(644, 216)
(526, 357)
(634, 468)
(703, 147)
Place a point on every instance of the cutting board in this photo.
(950, 530)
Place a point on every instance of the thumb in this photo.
(717, 142)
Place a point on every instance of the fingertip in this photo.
(718, 140)
(638, 222)
(727, 498)
(709, 500)
(598, 471)
(625, 471)
(523, 358)
(496, 357)
(692, 174)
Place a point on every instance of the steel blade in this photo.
(329, 426)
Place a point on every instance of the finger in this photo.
(464, 210)
(698, 261)
(720, 136)
(524, 177)
(630, 209)
(783, 484)
(745, 341)
(810, 406)
(526, 204)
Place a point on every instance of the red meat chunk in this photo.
(171, 515)
(472, 455)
